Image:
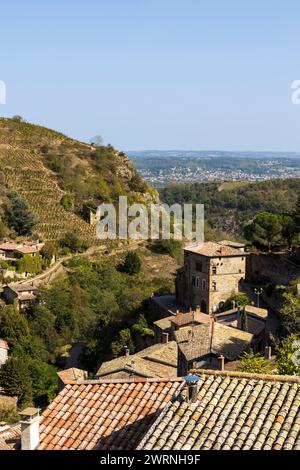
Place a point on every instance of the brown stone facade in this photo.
(208, 280)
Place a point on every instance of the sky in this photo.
(156, 74)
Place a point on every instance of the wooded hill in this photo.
(58, 176)
(229, 206)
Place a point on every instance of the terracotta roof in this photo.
(10, 435)
(164, 323)
(213, 249)
(72, 374)
(21, 248)
(108, 414)
(19, 288)
(214, 338)
(159, 360)
(234, 411)
(232, 244)
(186, 318)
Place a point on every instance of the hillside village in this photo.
(135, 345)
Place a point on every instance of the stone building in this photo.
(212, 272)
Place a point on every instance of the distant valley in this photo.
(164, 167)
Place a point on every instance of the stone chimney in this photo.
(198, 309)
(127, 351)
(268, 352)
(222, 362)
(192, 387)
(30, 420)
(165, 338)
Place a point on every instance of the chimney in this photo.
(268, 352)
(177, 312)
(165, 338)
(198, 309)
(127, 351)
(30, 419)
(222, 362)
(192, 381)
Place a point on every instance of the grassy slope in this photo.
(29, 157)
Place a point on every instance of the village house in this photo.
(159, 360)
(11, 251)
(209, 346)
(212, 272)
(23, 295)
(219, 410)
(4, 348)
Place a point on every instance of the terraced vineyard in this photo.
(25, 173)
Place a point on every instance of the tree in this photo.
(239, 299)
(244, 320)
(18, 118)
(132, 263)
(96, 140)
(16, 381)
(123, 340)
(265, 229)
(67, 202)
(290, 310)
(288, 355)
(44, 382)
(288, 230)
(13, 325)
(71, 241)
(30, 264)
(254, 363)
(49, 251)
(18, 215)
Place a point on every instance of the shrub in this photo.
(132, 263)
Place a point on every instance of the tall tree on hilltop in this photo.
(265, 229)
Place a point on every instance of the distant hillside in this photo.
(231, 205)
(59, 176)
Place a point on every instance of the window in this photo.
(214, 270)
(193, 281)
(197, 282)
(214, 285)
(203, 284)
(199, 266)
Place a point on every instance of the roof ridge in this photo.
(116, 381)
(248, 375)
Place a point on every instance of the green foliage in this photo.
(240, 299)
(244, 320)
(230, 210)
(67, 202)
(288, 356)
(141, 327)
(291, 309)
(30, 264)
(13, 325)
(48, 251)
(170, 247)
(16, 381)
(132, 263)
(265, 229)
(123, 340)
(8, 414)
(254, 363)
(72, 242)
(44, 381)
(18, 215)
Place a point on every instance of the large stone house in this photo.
(212, 272)
(24, 295)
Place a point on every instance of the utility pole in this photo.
(258, 291)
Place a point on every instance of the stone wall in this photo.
(270, 268)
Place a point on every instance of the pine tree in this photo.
(244, 320)
(15, 380)
(132, 263)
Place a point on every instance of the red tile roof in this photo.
(213, 249)
(10, 436)
(106, 414)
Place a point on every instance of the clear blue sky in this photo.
(164, 74)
